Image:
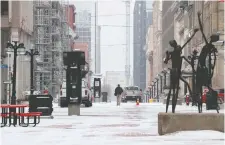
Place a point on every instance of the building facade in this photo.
(83, 30)
(16, 25)
(185, 20)
(50, 39)
(140, 25)
(71, 14)
(157, 38)
(167, 26)
(149, 55)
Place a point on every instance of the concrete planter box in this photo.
(173, 122)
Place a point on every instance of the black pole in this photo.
(13, 97)
(165, 79)
(210, 70)
(31, 71)
(151, 92)
(154, 89)
(161, 85)
(157, 89)
(194, 99)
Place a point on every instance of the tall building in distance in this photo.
(83, 30)
(141, 22)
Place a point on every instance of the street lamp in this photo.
(32, 53)
(161, 84)
(151, 91)
(17, 48)
(157, 88)
(153, 84)
(164, 73)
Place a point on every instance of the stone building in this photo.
(154, 41)
(16, 24)
(149, 55)
(185, 20)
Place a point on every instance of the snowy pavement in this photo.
(107, 124)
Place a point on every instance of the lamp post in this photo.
(157, 88)
(150, 91)
(153, 89)
(32, 53)
(164, 74)
(161, 84)
(17, 48)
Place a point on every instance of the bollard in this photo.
(137, 102)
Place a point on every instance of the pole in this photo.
(151, 92)
(164, 79)
(13, 98)
(157, 89)
(161, 85)
(210, 70)
(31, 71)
(95, 37)
(154, 89)
(193, 81)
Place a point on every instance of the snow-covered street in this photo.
(107, 124)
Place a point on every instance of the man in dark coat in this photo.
(118, 92)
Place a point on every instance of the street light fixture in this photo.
(164, 72)
(161, 80)
(153, 89)
(157, 88)
(32, 53)
(151, 92)
(16, 49)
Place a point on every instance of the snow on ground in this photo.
(107, 124)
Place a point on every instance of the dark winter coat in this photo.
(118, 91)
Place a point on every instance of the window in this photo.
(131, 88)
(4, 8)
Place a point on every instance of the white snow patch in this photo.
(108, 124)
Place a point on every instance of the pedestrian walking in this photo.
(118, 92)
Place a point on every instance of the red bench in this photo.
(36, 116)
(4, 115)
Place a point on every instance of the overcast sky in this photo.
(112, 18)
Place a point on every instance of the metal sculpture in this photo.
(175, 71)
(191, 61)
(204, 74)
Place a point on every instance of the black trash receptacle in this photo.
(104, 96)
(41, 103)
(211, 100)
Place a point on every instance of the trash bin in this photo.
(211, 100)
(104, 96)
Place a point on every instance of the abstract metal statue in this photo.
(203, 74)
(191, 61)
(175, 71)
